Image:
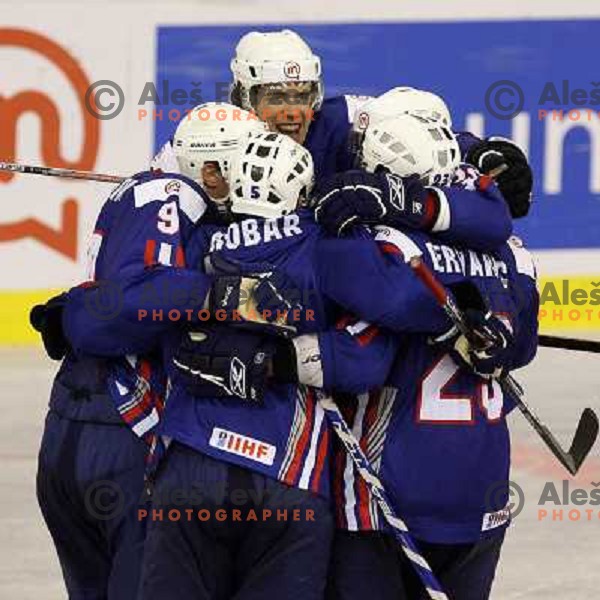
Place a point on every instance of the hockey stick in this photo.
(66, 173)
(587, 428)
(366, 471)
(105, 178)
(496, 172)
(552, 341)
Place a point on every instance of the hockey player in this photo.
(91, 466)
(437, 432)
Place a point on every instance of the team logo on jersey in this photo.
(237, 378)
(363, 120)
(242, 445)
(292, 70)
(173, 187)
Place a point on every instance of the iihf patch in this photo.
(241, 445)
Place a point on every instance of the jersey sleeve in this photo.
(137, 264)
(527, 301)
(466, 140)
(368, 277)
(352, 358)
(472, 212)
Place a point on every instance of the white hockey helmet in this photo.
(270, 176)
(399, 101)
(273, 57)
(211, 133)
(411, 145)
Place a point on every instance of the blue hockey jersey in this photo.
(139, 237)
(287, 436)
(437, 434)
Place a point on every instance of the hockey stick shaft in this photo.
(373, 483)
(552, 341)
(496, 172)
(65, 173)
(510, 386)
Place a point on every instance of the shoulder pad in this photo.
(173, 187)
(399, 239)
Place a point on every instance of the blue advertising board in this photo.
(486, 71)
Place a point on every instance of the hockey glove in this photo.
(355, 197)
(487, 352)
(232, 297)
(217, 361)
(47, 319)
(516, 182)
(277, 297)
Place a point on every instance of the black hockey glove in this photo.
(356, 197)
(487, 352)
(218, 360)
(47, 319)
(516, 182)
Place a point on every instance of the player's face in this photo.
(213, 181)
(287, 108)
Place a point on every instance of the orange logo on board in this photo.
(64, 238)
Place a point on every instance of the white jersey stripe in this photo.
(309, 463)
(349, 471)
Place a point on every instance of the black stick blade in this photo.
(585, 437)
